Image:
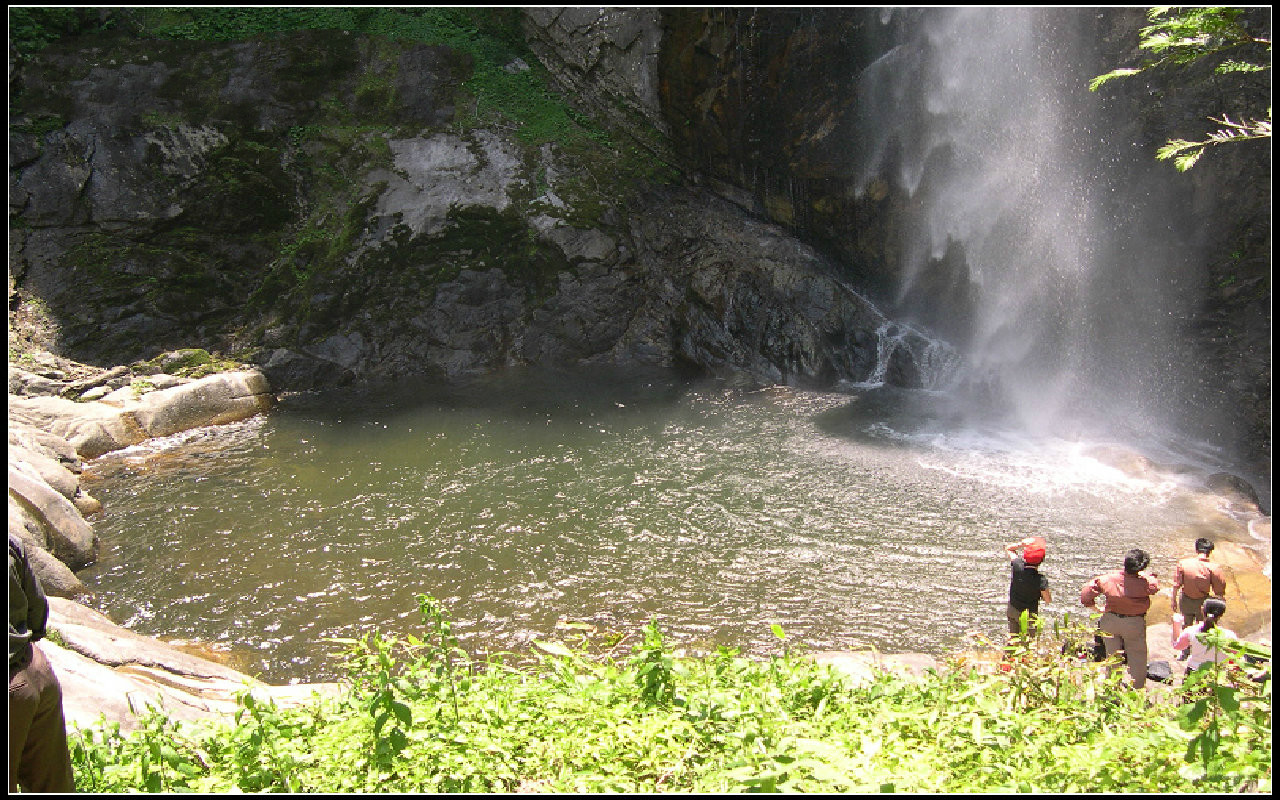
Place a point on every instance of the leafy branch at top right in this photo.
(1180, 36)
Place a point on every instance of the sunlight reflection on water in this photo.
(719, 514)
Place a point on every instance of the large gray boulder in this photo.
(109, 673)
(52, 471)
(55, 576)
(91, 428)
(215, 400)
(66, 533)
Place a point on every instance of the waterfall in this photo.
(932, 363)
(981, 118)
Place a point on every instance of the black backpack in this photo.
(1159, 671)
(1098, 650)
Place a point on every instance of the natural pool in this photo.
(606, 498)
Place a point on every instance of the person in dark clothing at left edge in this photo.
(1027, 587)
(38, 757)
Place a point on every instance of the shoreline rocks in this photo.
(110, 672)
(51, 435)
(106, 671)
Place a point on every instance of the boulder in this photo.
(52, 472)
(1248, 591)
(94, 428)
(214, 400)
(55, 576)
(91, 428)
(65, 533)
(111, 673)
(1232, 486)
(30, 384)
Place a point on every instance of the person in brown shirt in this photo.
(1127, 594)
(1194, 579)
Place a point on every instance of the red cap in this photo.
(1033, 553)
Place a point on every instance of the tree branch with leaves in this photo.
(1181, 36)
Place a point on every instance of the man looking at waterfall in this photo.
(1127, 594)
(1194, 579)
(1027, 587)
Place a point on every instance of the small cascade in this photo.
(911, 359)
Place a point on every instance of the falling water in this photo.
(934, 360)
(983, 119)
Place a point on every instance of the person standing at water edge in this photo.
(1127, 594)
(1194, 579)
(1027, 587)
(38, 755)
(1201, 654)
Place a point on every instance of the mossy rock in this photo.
(192, 363)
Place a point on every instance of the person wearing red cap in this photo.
(1027, 587)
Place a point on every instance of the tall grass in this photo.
(420, 715)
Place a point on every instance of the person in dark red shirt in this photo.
(1194, 579)
(1127, 593)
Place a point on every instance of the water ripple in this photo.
(717, 514)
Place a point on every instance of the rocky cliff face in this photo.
(769, 108)
(318, 203)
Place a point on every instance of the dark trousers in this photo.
(38, 757)
(1015, 620)
(1129, 633)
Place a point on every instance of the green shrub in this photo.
(420, 716)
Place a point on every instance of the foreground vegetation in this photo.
(421, 716)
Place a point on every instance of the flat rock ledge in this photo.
(109, 673)
(134, 414)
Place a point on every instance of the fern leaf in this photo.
(1115, 73)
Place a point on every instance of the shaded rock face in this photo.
(609, 58)
(232, 214)
(760, 101)
(736, 295)
(156, 185)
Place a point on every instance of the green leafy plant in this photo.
(654, 666)
(581, 715)
(1228, 709)
(1186, 153)
(1181, 36)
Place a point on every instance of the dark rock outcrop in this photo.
(176, 220)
